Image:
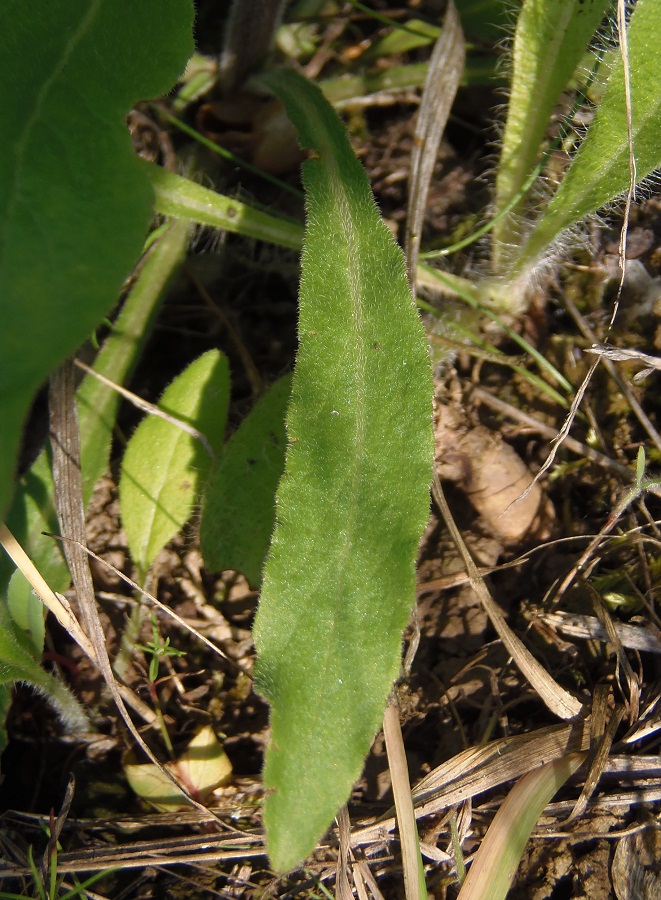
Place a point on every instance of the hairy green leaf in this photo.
(238, 514)
(165, 466)
(17, 663)
(600, 170)
(74, 202)
(339, 580)
(550, 39)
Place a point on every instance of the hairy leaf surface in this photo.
(600, 170)
(32, 510)
(339, 581)
(551, 37)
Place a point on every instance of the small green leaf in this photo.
(600, 170)
(164, 466)
(74, 203)
(238, 514)
(550, 39)
(339, 581)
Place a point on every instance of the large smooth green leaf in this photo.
(33, 508)
(164, 466)
(238, 513)
(550, 39)
(600, 170)
(339, 581)
(74, 202)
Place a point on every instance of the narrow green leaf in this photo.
(164, 466)
(550, 40)
(415, 33)
(600, 170)
(339, 581)
(74, 202)
(97, 402)
(27, 611)
(238, 514)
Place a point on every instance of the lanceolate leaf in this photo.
(239, 503)
(551, 36)
(339, 581)
(164, 466)
(74, 203)
(600, 169)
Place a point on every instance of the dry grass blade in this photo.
(479, 769)
(635, 637)
(618, 354)
(55, 603)
(631, 688)
(59, 606)
(443, 76)
(414, 876)
(603, 734)
(65, 442)
(342, 886)
(368, 878)
(556, 698)
(359, 881)
(621, 383)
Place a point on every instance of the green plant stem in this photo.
(161, 720)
